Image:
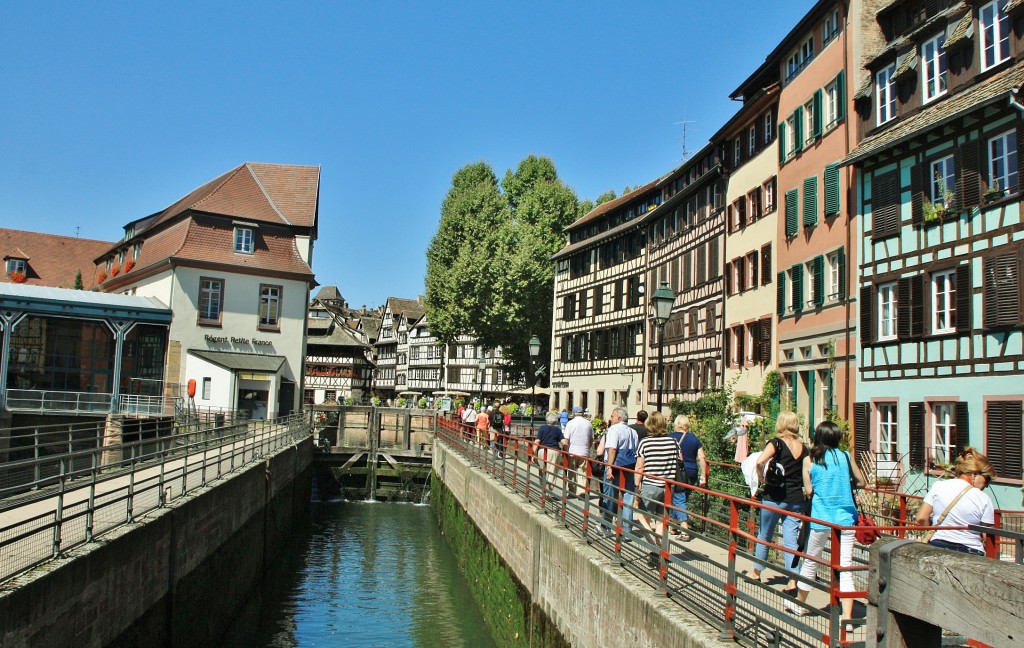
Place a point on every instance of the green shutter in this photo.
(798, 287)
(819, 281)
(841, 253)
(831, 190)
(782, 143)
(792, 212)
(811, 201)
(840, 96)
(798, 129)
(811, 388)
(816, 117)
(780, 284)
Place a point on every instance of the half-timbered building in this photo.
(426, 360)
(685, 236)
(601, 305)
(338, 358)
(939, 176)
(392, 346)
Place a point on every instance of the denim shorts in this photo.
(652, 497)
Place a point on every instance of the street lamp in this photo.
(482, 363)
(623, 370)
(663, 298)
(534, 352)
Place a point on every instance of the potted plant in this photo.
(115, 270)
(129, 264)
(375, 401)
(993, 193)
(422, 403)
(348, 401)
(17, 276)
(401, 402)
(101, 277)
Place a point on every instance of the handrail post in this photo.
(91, 508)
(542, 473)
(729, 614)
(58, 521)
(515, 463)
(618, 482)
(529, 462)
(835, 611)
(36, 474)
(131, 487)
(665, 555)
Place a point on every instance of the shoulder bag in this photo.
(866, 532)
(928, 536)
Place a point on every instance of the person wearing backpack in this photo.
(498, 430)
(781, 463)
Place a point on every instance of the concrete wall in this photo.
(174, 579)
(589, 601)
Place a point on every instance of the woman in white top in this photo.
(960, 502)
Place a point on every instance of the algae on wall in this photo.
(504, 602)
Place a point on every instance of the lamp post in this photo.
(662, 299)
(482, 363)
(534, 352)
(625, 394)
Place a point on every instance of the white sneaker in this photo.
(796, 609)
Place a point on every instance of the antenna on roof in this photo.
(686, 154)
(76, 231)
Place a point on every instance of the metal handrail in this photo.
(52, 400)
(84, 492)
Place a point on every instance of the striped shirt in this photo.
(660, 454)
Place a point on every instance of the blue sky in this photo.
(112, 111)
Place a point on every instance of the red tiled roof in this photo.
(212, 240)
(53, 260)
(16, 253)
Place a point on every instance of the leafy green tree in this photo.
(605, 197)
(78, 281)
(489, 268)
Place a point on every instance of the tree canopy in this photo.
(489, 268)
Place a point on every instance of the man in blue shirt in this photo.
(619, 447)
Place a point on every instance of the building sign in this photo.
(559, 385)
(224, 339)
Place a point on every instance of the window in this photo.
(768, 121)
(211, 293)
(944, 301)
(943, 433)
(830, 105)
(792, 143)
(834, 275)
(270, 306)
(137, 250)
(933, 64)
(16, 265)
(830, 27)
(943, 181)
(752, 141)
(207, 383)
(887, 311)
(887, 445)
(810, 132)
(1002, 156)
(737, 152)
(768, 190)
(752, 270)
(995, 34)
(243, 240)
(800, 58)
(885, 91)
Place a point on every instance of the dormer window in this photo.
(885, 91)
(800, 57)
(16, 266)
(933, 59)
(995, 34)
(244, 240)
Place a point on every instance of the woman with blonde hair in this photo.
(960, 502)
(694, 472)
(783, 489)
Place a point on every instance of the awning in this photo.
(241, 361)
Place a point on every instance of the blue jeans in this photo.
(610, 491)
(679, 505)
(955, 546)
(790, 530)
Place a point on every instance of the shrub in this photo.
(401, 402)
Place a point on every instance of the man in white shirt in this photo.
(578, 437)
(619, 448)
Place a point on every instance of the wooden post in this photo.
(915, 590)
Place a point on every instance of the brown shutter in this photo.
(903, 308)
(917, 307)
(861, 427)
(1003, 437)
(755, 347)
(752, 260)
(766, 263)
(963, 298)
(1001, 290)
(867, 319)
(766, 340)
(968, 176)
(727, 354)
(917, 189)
(962, 434)
(741, 357)
(885, 205)
(917, 436)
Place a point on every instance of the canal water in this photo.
(363, 574)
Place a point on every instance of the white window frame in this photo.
(768, 126)
(737, 151)
(943, 287)
(207, 388)
(934, 71)
(809, 121)
(830, 105)
(748, 345)
(941, 444)
(269, 314)
(830, 27)
(943, 180)
(822, 379)
(16, 265)
(832, 292)
(887, 430)
(790, 143)
(769, 197)
(994, 28)
(808, 286)
(751, 141)
(887, 311)
(885, 94)
(1002, 165)
(244, 240)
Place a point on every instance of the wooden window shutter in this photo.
(711, 325)
(841, 255)
(766, 340)
(861, 427)
(798, 129)
(673, 277)
(811, 201)
(728, 278)
(780, 295)
(797, 272)
(867, 316)
(1001, 290)
(885, 206)
(962, 433)
(752, 262)
(1003, 437)
(782, 143)
(713, 258)
(766, 263)
(917, 187)
(702, 264)
(816, 117)
(727, 337)
(738, 333)
(687, 271)
(968, 176)
(918, 308)
(730, 218)
(792, 222)
(917, 435)
(831, 190)
(741, 274)
(755, 337)
(841, 95)
(818, 287)
(903, 308)
(963, 298)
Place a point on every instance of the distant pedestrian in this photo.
(641, 425)
(694, 470)
(577, 440)
(549, 445)
(618, 446)
(483, 425)
(563, 418)
(497, 429)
